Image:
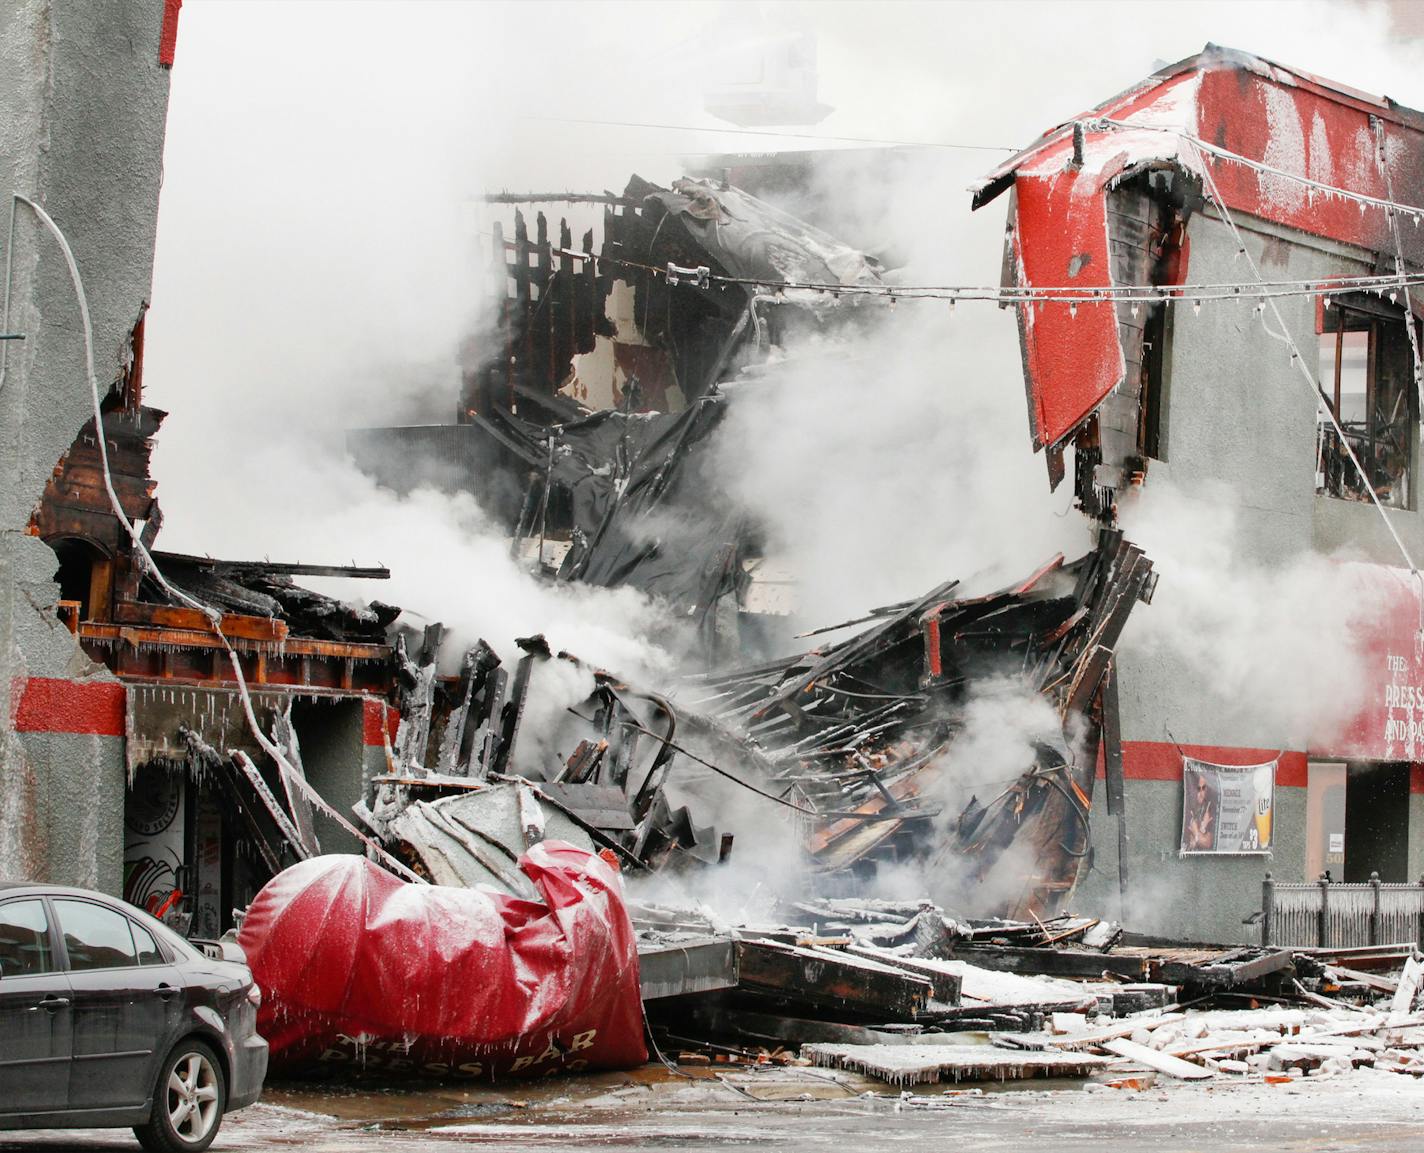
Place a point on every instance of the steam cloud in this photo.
(1272, 645)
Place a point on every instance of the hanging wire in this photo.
(1205, 146)
(778, 135)
(5, 309)
(1001, 295)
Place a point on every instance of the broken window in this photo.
(1366, 381)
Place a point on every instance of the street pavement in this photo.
(814, 1110)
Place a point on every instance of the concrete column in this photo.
(83, 100)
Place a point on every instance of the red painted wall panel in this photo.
(50, 705)
(377, 722)
(1287, 121)
(1071, 354)
(1390, 725)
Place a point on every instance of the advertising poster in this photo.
(1227, 809)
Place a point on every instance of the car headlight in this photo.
(254, 995)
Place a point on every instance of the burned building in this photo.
(198, 835)
(133, 679)
(1221, 269)
(596, 389)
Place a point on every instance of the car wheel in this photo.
(188, 1102)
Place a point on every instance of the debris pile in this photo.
(846, 744)
(904, 994)
(266, 589)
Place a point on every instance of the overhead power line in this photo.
(1253, 290)
(779, 135)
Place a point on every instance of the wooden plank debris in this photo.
(1161, 1062)
(1409, 982)
(1100, 1037)
(931, 1064)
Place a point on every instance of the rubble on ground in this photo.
(947, 1005)
(845, 750)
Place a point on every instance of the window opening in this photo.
(1365, 380)
(85, 577)
(148, 952)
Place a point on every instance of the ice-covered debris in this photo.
(930, 1064)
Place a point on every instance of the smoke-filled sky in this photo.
(319, 254)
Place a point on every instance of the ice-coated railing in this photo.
(1331, 914)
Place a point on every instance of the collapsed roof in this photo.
(847, 750)
(588, 422)
(659, 244)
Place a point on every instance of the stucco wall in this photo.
(1240, 422)
(83, 101)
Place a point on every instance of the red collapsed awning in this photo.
(357, 966)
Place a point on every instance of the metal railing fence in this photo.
(1333, 914)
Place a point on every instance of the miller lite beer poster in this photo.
(1227, 809)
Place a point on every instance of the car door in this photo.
(36, 1016)
(124, 1011)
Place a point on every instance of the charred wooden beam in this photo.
(835, 984)
(180, 638)
(273, 568)
(555, 198)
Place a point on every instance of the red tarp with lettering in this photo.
(357, 966)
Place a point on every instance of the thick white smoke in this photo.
(1272, 645)
(889, 462)
(320, 257)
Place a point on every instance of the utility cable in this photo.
(1205, 146)
(5, 314)
(1020, 294)
(777, 135)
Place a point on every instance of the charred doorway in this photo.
(85, 577)
(203, 832)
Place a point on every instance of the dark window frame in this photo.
(1388, 459)
(58, 962)
(57, 931)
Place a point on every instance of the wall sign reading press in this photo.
(1227, 809)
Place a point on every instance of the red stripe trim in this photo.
(1162, 761)
(168, 33)
(50, 705)
(1416, 778)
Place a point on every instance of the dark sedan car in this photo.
(107, 1017)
